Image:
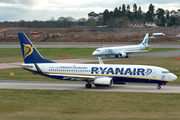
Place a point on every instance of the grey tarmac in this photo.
(30, 85)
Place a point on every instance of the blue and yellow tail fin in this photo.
(144, 43)
(30, 53)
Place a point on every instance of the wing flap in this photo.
(137, 51)
(75, 77)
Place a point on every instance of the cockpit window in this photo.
(97, 50)
(165, 72)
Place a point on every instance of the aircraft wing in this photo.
(74, 77)
(131, 51)
(144, 50)
(137, 51)
(149, 49)
(98, 81)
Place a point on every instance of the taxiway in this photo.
(149, 88)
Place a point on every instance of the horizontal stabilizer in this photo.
(21, 65)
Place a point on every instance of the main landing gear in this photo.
(116, 56)
(126, 56)
(88, 85)
(159, 86)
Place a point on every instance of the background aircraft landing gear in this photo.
(88, 85)
(116, 56)
(159, 87)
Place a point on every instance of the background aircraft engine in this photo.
(122, 54)
(103, 82)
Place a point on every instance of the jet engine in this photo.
(103, 82)
(122, 54)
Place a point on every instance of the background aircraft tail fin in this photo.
(144, 43)
(30, 53)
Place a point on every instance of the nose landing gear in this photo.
(159, 86)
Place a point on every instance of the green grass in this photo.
(8, 55)
(87, 105)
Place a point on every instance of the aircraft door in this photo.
(154, 73)
(42, 68)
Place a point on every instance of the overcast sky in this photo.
(29, 10)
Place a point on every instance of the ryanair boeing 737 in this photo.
(98, 74)
(122, 51)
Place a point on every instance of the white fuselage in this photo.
(123, 51)
(117, 50)
(119, 73)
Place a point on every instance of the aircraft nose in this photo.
(94, 53)
(173, 77)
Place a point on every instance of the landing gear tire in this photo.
(126, 56)
(88, 86)
(116, 56)
(158, 87)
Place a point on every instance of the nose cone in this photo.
(173, 77)
(94, 53)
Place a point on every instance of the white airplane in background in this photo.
(122, 51)
(98, 74)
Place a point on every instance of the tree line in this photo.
(122, 15)
(61, 22)
(119, 17)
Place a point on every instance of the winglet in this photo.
(100, 61)
(38, 69)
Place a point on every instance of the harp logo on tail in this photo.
(28, 49)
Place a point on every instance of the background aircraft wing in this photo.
(137, 51)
